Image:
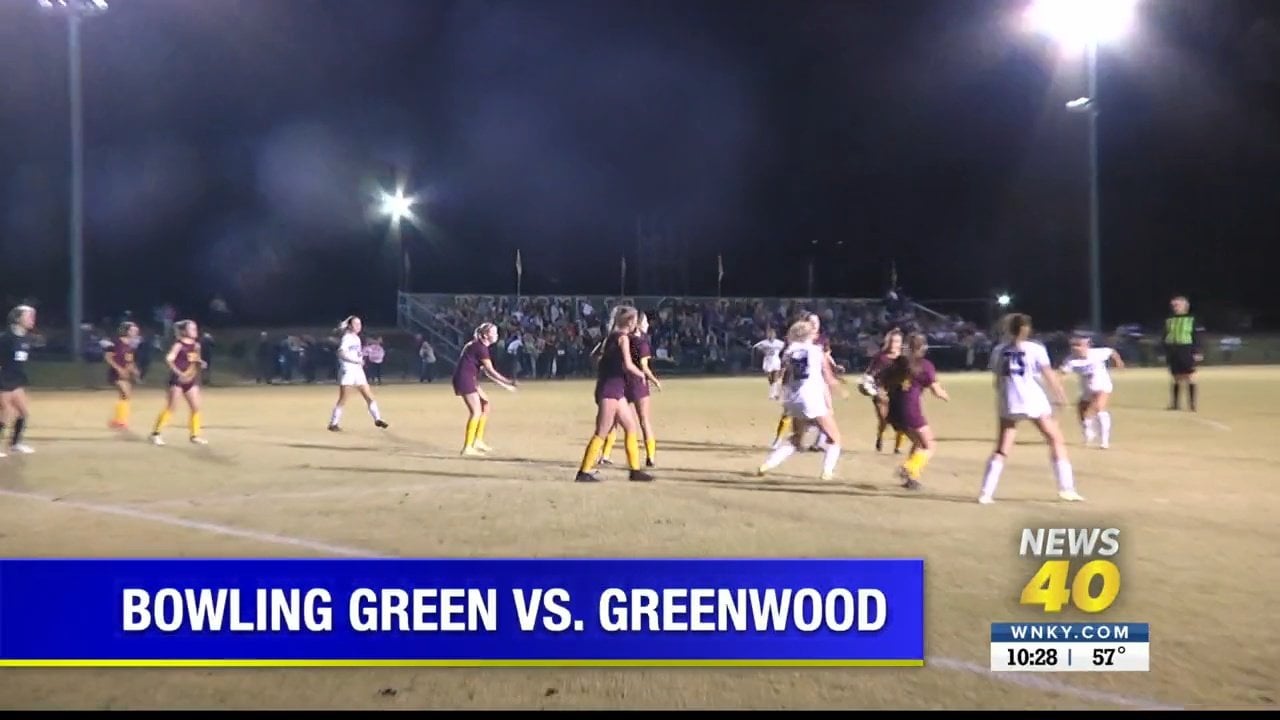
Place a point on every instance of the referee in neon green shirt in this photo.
(1182, 351)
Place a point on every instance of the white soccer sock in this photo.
(1104, 427)
(992, 478)
(1086, 427)
(829, 459)
(1066, 478)
(822, 440)
(373, 410)
(779, 455)
(336, 417)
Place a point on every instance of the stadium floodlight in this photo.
(396, 205)
(1076, 25)
(1003, 300)
(75, 11)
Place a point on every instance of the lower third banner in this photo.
(462, 613)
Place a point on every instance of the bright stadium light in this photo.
(1077, 25)
(75, 12)
(396, 205)
(1003, 300)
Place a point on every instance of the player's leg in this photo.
(483, 421)
(821, 441)
(1087, 417)
(1006, 433)
(606, 418)
(786, 447)
(372, 403)
(610, 440)
(1102, 416)
(6, 417)
(784, 429)
(120, 415)
(881, 408)
(335, 418)
(922, 446)
(831, 448)
(18, 408)
(170, 400)
(1062, 470)
(644, 414)
(192, 395)
(626, 417)
(472, 402)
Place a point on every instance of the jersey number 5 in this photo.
(800, 366)
(1014, 363)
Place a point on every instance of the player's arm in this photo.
(1116, 360)
(111, 362)
(624, 347)
(486, 366)
(648, 373)
(1197, 351)
(171, 358)
(1055, 384)
(355, 356)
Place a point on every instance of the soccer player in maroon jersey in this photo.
(185, 364)
(122, 371)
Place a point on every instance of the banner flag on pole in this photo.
(720, 264)
(519, 267)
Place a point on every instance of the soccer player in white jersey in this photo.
(351, 374)
(1090, 365)
(771, 347)
(806, 398)
(1018, 363)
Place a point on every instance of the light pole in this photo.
(1084, 25)
(397, 207)
(76, 11)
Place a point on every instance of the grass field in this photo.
(1196, 496)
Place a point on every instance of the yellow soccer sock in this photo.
(194, 424)
(122, 411)
(592, 454)
(650, 448)
(632, 444)
(484, 420)
(161, 421)
(915, 464)
(609, 441)
(784, 428)
(473, 427)
(898, 440)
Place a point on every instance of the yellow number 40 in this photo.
(1048, 587)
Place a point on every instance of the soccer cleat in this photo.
(986, 500)
(879, 444)
(156, 439)
(471, 452)
(21, 449)
(640, 476)
(763, 470)
(381, 423)
(1070, 496)
(827, 477)
(482, 447)
(604, 461)
(1104, 446)
(648, 462)
(197, 440)
(584, 477)
(335, 428)
(117, 425)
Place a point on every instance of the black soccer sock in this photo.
(1175, 392)
(1191, 395)
(18, 426)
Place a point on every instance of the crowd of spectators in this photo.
(544, 337)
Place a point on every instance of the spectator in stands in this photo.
(426, 361)
(375, 355)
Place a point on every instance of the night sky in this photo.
(234, 146)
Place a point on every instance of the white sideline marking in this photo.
(1029, 681)
(1221, 427)
(1044, 684)
(209, 527)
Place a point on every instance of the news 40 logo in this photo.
(1076, 568)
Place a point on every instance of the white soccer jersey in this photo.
(1018, 368)
(806, 391)
(351, 361)
(1092, 370)
(772, 350)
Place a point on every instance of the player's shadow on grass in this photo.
(807, 487)
(425, 473)
(694, 446)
